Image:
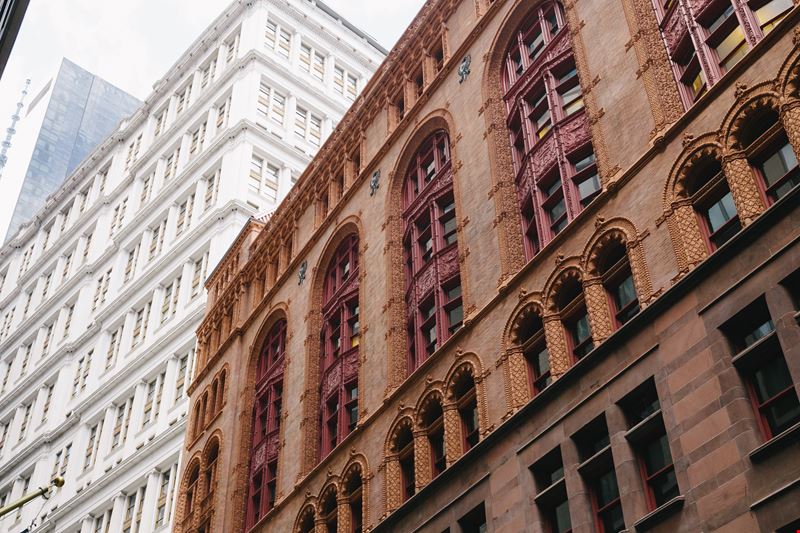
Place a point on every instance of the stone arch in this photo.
(397, 342)
(504, 190)
(515, 367)
(247, 395)
(306, 516)
(567, 269)
(750, 104)
(357, 464)
(328, 502)
(393, 484)
(622, 231)
(424, 454)
(189, 500)
(787, 83)
(467, 366)
(310, 424)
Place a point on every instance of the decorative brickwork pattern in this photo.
(557, 345)
(517, 377)
(742, 181)
(422, 458)
(790, 118)
(452, 433)
(597, 306)
(655, 68)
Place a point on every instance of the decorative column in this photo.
(641, 277)
(690, 246)
(393, 489)
(319, 525)
(422, 459)
(453, 441)
(343, 518)
(742, 182)
(517, 377)
(597, 308)
(790, 118)
(556, 345)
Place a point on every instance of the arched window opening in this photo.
(221, 391)
(770, 153)
(404, 448)
(615, 271)
(433, 422)
(192, 489)
(712, 39)
(575, 319)
(197, 426)
(211, 469)
(214, 397)
(306, 522)
(430, 244)
(267, 412)
(467, 404)
(711, 197)
(531, 338)
(203, 411)
(353, 490)
(340, 338)
(556, 169)
(329, 511)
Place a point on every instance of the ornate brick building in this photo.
(542, 277)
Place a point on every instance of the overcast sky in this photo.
(132, 43)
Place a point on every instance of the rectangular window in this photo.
(26, 416)
(161, 120)
(140, 325)
(222, 114)
(212, 182)
(92, 443)
(196, 140)
(113, 348)
(48, 398)
(207, 73)
(278, 39)
(779, 169)
(312, 61)
(70, 309)
(761, 362)
(130, 264)
(551, 498)
(474, 521)
(180, 382)
(157, 239)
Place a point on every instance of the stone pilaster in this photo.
(597, 308)
(742, 182)
(556, 345)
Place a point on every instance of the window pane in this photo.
(777, 165)
(582, 331)
(588, 186)
(762, 330)
(625, 293)
(783, 413)
(732, 48)
(768, 15)
(656, 455)
(561, 519)
(771, 379)
(665, 487)
(586, 162)
(607, 490)
(721, 212)
(613, 520)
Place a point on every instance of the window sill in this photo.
(553, 494)
(597, 463)
(775, 444)
(660, 514)
(646, 428)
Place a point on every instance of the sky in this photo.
(133, 43)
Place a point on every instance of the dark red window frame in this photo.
(537, 356)
(708, 189)
(617, 277)
(430, 243)
(267, 412)
(467, 406)
(434, 429)
(355, 488)
(340, 340)
(773, 147)
(404, 446)
(543, 96)
(574, 317)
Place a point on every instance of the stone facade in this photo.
(679, 347)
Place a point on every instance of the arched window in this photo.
(769, 152)
(197, 425)
(306, 521)
(551, 146)
(267, 412)
(221, 391)
(404, 448)
(211, 468)
(710, 40)
(433, 284)
(615, 270)
(433, 422)
(531, 338)
(711, 197)
(192, 489)
(341, 336)
(353, 487)
(575, 318)
(214, 400)
(329, 511)
(467, 404)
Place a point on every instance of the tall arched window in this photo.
(433, 422)
(433, 284)
(266, 424)
(329, 511)
(551, 145)
(615, 270)
(340, 338)
(211, 468)
(353, 487)
(705, 41)
(467, 403)
(531, 338)
(306, 522)
(575, 318)
(404, 447)
(192, 489)
(711, 197)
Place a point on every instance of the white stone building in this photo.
(101, 293)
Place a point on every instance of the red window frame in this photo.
(707, 190)
(651, 478)
(598, 510)
(572, 313)
(430, 231)
(771, 144)
(355, 503)
(329, 513)
(267, 412)
(542, 94)
(613, 277)
(404, 445)
(467, 406)
(340, 338)
(434, 430)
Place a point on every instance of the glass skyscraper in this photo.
(82, 110)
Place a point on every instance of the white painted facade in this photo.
(101, 294)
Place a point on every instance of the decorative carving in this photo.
(374, 182)
(743, 186)
(463, 69)
(556, 345)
